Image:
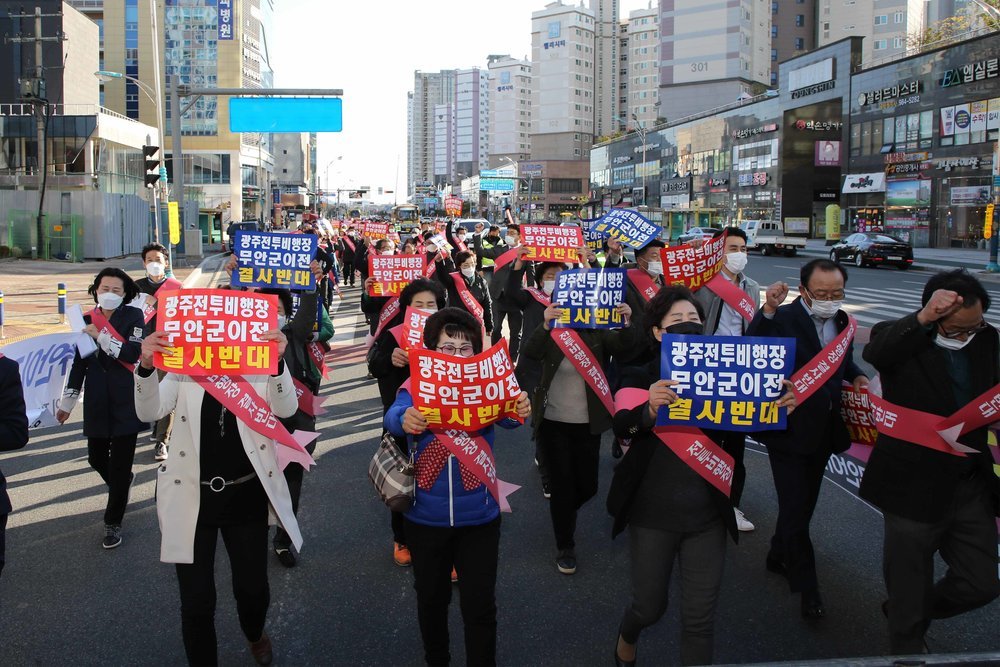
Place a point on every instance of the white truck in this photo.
(769, 237)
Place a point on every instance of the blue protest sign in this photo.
(631, 228)
(728, 383)
(268, 259)
(589, 297)
(592, 238)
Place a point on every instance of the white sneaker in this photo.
(742, 523)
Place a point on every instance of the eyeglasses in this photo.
(836, 295)
(463, 351)
(982, 326)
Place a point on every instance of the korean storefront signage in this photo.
(754, 131)
(718, 182)
(225, 19)
(753, 179)
(622, 158)
(873, 182)
(897, 158)
(980, 71)
(892, 92)
(818, 125)
(949, 163)
(812, 90)
(907, 168)
(672, 186)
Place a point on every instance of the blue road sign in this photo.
(286, 114)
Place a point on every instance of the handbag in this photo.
(391, 472)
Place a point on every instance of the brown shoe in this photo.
(261, 650)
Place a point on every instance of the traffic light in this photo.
(152, 165)
(988, 222)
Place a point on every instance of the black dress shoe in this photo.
(812, 605)
(776, 566)
(618, 661)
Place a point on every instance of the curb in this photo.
(922, 265)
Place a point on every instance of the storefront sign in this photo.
(980, 71)
(825, 195)
(949, 163)
(718, 182)
(671, 186)
(225, 8)
(622, 158)
(889, 93)
(818, 125)
(827, 154)
(975, 195)
(897, 158)
(809, 76)
(797, 225)
(812, 90)
(910, 193)
(907, 168)
(754, 131)
(647, 148)
(754, 179)
(855, 183)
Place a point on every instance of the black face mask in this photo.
(689, 328)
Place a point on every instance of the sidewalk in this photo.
(30, 289)
(928, 259)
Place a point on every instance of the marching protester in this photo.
(569, 418)
(347, 247)
(936, 362)
(13, 433)
(672, 513)
(110, 423)
(799, 454)
(722, 319)
(467, 289)
(224, 478)
(372, 306)
(454, 520)
(645, 278)
(492, 249)
(156, 262)
(389, 363)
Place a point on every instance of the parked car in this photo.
(769, 237)
(246, 226)
(873, 248)
(697, 233)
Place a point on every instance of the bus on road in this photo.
(406, 217)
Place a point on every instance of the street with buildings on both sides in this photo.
(65, 599)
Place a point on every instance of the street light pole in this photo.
(642, 136)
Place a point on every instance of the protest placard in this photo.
(393, 272)
(693, 267)
(45, 362)
(375, 230)
(594, 239)
(414, 321)
(589, 298)
(453, 205)
(551, 243)
(271, 259)
(466, 393)
(217, 331)
(729, 383)
(630, 227)
(856, 410)
(440, 242)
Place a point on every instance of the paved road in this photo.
(65, 600)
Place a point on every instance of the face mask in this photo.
(429, 311)
(688, 328)
(282, 320)
(826, 309)
(548, 286)
(155, 269)
(952, 343)
(461, 238)
(509, 240)
(431, 249)
(655, 268)
(388, 252)
(736, 261)
(468, 271)
(109, 300)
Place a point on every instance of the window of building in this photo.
(565, 186)
(774, 31)
(774, 6)
(897, 42)
(880, 44)
(774, 55)
(800, 43)
(897, 17)
(800, 20)
(881, 19)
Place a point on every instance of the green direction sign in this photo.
(285, 114)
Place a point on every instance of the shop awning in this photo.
(859, 183)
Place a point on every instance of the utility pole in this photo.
(33, 89)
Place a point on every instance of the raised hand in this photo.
(942, 303)
(774, 296)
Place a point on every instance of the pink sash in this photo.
(309, 403)
(539, 296)
(734, 297)
(466, 295)
(808, 379)
(98, 320)
(317, 354)
(647, 288)
(504, 259)
(239, 397)
(389, 311)
(349, 242)
(583, 361)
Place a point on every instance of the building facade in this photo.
(793, 31)
(884, 25)
(606, 45)
(472, 120)
(430, 89)
(509, 110)
(642, 62)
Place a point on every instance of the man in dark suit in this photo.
(937, 361)
(13, 432)
(798, 455)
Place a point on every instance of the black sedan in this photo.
(873, 249)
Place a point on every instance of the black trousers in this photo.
(515, 320)
(349, 272)
(473, 551)
(112, 459)
(571, 455)
(797, 480)
(246, 545)
(967, 541)
(701, 557)
(735, 445)
(3, 540)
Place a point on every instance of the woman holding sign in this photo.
(105, 376)
(455, 518)
(672, 512)
(467, 289)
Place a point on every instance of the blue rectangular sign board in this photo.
(727, 383)
(589, 298)
(285, 114)
(269, 259)
(496, 184)
(630, 227)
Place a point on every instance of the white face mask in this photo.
(282, 320)
(109, 300)
(510, 240)
(429, 311)
(155, 269)
(952, 343)
(655, 268)
(468, 271)
(736, 261)
(826, 309)
(548, 286)
(431, 249)
(388, 252)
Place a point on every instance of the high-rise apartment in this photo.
(884, 24)
(606, 26)
(562, 89)
(711, 55)
(472, 120)
(430, 89)
(510, 110)
(793, 31)
(642, 62)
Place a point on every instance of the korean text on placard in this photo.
(629, 227)
(693, 267)
(589, 298)
(393, 272)
(551, 243)
(268, 259)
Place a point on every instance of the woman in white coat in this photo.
(208, 487)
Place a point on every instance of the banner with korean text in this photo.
(589, 298)
(594, 239)
(629, 227)
(551, 243)
(856, 409)
(729, 383)
(412, 333)
(466, 393)
(215, 331)
(693, 267)
(44, 365)
(375, 230)
(393, 272)
(270, 259)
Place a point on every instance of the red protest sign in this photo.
(856, 410)
(465, 393)
(393, 272)
(413, 328)
(215, 331)
(551, 243)
(693, 267)
(453, 205)
(375, 230)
